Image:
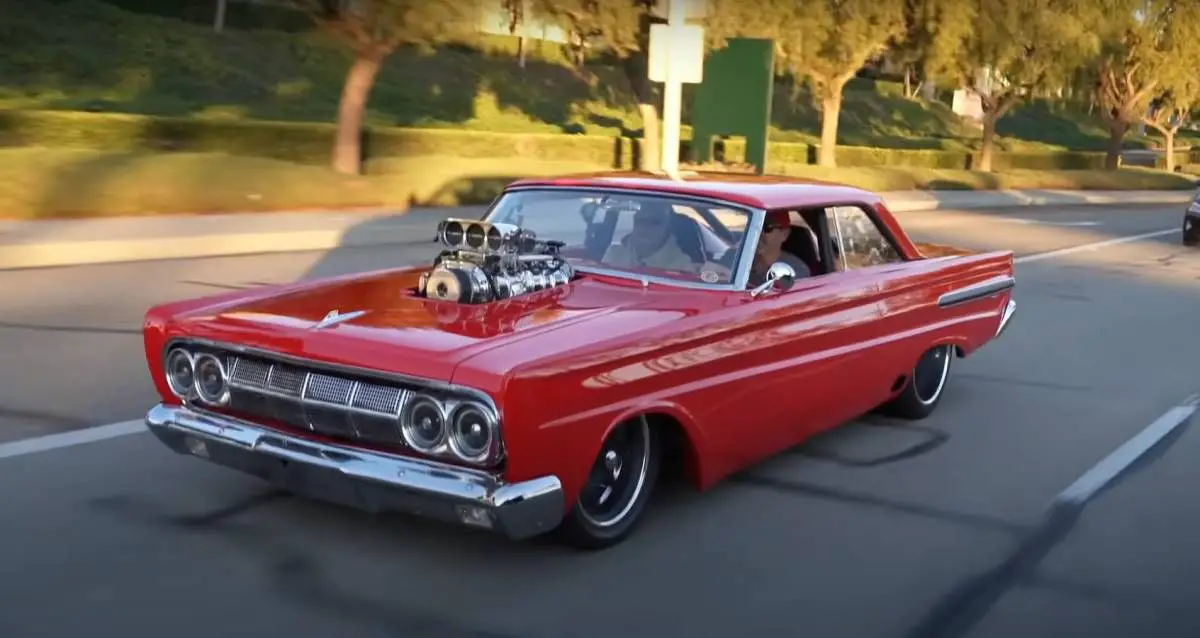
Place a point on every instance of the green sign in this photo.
(735, 99)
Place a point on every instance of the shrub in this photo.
(310, 143)
(296, 142)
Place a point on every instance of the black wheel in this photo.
(925, 386)
(1191, 232)
(618, 488)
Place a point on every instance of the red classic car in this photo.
(583, 335)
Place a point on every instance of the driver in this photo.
(776, 228)
(651, 244)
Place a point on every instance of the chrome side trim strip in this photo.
(979, 290)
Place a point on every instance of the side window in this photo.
(857, 241)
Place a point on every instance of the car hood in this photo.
(399, 332)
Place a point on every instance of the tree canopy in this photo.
(822, 42)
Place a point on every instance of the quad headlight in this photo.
(462, 428)
(197, 376)
(454, 425)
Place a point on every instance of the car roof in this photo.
(758, 191)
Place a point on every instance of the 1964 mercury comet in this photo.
(588, 332)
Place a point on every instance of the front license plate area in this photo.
(319, 484)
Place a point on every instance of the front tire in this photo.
(618, 489)
(925, 386)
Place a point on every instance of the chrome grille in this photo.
(327, 404)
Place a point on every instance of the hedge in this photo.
(311, 143)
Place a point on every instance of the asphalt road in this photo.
(876, 530)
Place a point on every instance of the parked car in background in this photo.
(1191, 222)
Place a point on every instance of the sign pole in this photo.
(672, 93)
(676, 58)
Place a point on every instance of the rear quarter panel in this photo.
(957, 297)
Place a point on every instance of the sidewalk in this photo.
(37, 244)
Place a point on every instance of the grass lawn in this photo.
(55, 183)
(38, 183)
(92, 55)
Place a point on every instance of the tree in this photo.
(935, 31)
(219, 18)
(1015, 48)
(515, 10)
(1180, 84)
(624, 28)
(825, 42)
(1137, 53)
(836, 38)
(373, 30)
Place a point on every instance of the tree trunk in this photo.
(522, 48)
(637, 72)
(651, 159)
(988, 144)
(1169, 143)
(219, 19)
(831, 109)
(347, 148)
(1116, 135)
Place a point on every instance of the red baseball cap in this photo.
(777, 218)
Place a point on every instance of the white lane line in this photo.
(1104, 472)
(70, 439)
(1040, 222)
(1096, 245)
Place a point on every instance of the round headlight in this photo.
(181, 374)
(210, 380)
(422, 424)
(471, 433)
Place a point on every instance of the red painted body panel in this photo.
(744, 378)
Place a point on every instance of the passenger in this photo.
(776, 228)
(651, 244)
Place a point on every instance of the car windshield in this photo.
(663, 237)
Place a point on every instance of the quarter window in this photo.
(857, 240)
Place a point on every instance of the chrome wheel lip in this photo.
(943, 371)
(642, 430)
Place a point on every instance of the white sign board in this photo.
(681, 47)
(692, 9)
(968, 104)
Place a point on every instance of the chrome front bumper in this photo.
(365, 480)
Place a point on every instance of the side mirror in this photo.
(780, 277)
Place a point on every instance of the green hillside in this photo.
(96, 56)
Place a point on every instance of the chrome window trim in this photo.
(394, 377)
(745, 259)
(832, 210)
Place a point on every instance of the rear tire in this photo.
(926, 384)
(622, 479)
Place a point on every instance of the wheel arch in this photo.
(682, 441)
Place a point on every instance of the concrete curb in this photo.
(349, 231)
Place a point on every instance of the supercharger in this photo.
(484, 262)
